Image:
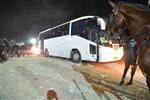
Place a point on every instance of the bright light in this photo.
(110, 42)
(35, 50)
(33, 41)
(110, 54)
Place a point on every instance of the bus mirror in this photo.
(101, 23)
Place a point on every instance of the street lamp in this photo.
(33, 41)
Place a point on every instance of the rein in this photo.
(112, 20)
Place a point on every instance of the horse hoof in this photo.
(121, 82)
(129, 83)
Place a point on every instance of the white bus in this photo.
(79, 39)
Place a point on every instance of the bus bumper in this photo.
(110, 54)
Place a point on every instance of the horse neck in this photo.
(135, 21)
(131, 18)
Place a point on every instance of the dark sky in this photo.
(22, 19)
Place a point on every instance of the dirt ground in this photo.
(105, 78)
(29, 78)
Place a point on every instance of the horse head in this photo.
(116, 22)
(116, 19)
(135, 18)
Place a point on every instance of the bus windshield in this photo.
(89, 29)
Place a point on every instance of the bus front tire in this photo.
(46, 53)
(75, 56)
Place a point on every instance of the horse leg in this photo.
(132, 74)
(124, 73)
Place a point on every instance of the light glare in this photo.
(33, 41)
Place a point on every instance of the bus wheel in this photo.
(46, 53)
(75, 56)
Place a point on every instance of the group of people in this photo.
(8, 49)
(11, 49)
(3, 50)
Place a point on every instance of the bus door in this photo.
(94, 49)
(97, 46)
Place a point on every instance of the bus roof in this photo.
(71, 21)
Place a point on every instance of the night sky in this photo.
(23, 19)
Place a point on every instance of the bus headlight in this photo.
(35, 50)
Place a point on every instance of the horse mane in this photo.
(136, 5)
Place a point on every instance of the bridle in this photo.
(112, 19)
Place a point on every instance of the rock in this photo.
(124, 98)
(110, 95)
(102, 81)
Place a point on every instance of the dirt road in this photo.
(29, 78)
(105, 78)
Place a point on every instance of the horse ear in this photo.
(113, 5)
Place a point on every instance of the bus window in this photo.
(79, 28)
(93, 31)
(65, 29)
(91, 34)
(56, 32)
(62, 30)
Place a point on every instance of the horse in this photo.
(137, 20)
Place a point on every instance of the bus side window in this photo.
(79, 28)
(59, 32)
(65, 29)
(46, 35)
